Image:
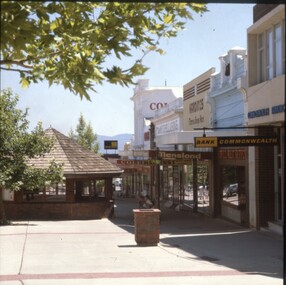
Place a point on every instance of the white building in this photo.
(147, 100)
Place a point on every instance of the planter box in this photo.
(147, 226)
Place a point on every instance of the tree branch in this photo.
(16, 62)
(22, 61)
(15, 69)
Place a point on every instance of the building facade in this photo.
(246, 98)
(147, 100)
(266, 113)
(136, 160)
(227, 99)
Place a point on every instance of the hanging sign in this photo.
(248, 141)
(206, 142)
(236, 141)
(179, 156)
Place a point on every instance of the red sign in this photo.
(232, 154)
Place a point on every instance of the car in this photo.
(231, 189)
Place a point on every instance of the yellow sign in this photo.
(206, 142)
(110, 144)
(236, 141)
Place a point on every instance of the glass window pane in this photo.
(261, 65)
(269, 66)
(278, 49)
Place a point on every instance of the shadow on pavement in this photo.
(211, 240)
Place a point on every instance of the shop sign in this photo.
(130, 170)
(258, 113)
(235, 141)
(266, 111)
(178, 155)
(177, 162)
(232, 154)
(168, 127)
(141, 153)
(156, 106)
(110, 144)
(278, 109)
(138, 162)
(206, 142)
(247, 141)
(196, 106)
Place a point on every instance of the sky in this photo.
(194, 51)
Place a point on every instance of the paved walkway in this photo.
(193, 249)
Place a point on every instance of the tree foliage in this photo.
(69, 43)
(17, 145)
(85, 136)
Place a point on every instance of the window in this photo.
(278, 49)
(89, 190)
(227, 70)
(261, 57)
(270, 52)
(269, 49)
(52, 193)
(233, 185)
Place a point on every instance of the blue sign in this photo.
(258, 113)
(278, 109)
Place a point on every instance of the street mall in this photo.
(146, 158)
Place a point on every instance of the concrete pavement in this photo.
(193, 249)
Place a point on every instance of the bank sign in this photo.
(235, 141)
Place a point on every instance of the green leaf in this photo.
(60, 41)
(24, 82)
(168, 18)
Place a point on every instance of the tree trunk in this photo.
(3, 220)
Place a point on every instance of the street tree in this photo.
(84, 135)
(17, 146)
(72, 43)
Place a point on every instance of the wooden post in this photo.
(108, 188)
(70, 196)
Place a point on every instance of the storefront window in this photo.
(233, 185)
(202, 184)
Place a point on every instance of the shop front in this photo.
(232, 162)
(181, 175)
(232, 190)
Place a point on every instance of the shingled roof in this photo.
(76, 159)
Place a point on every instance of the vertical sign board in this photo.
(110, 144)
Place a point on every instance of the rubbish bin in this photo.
(147, 226)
